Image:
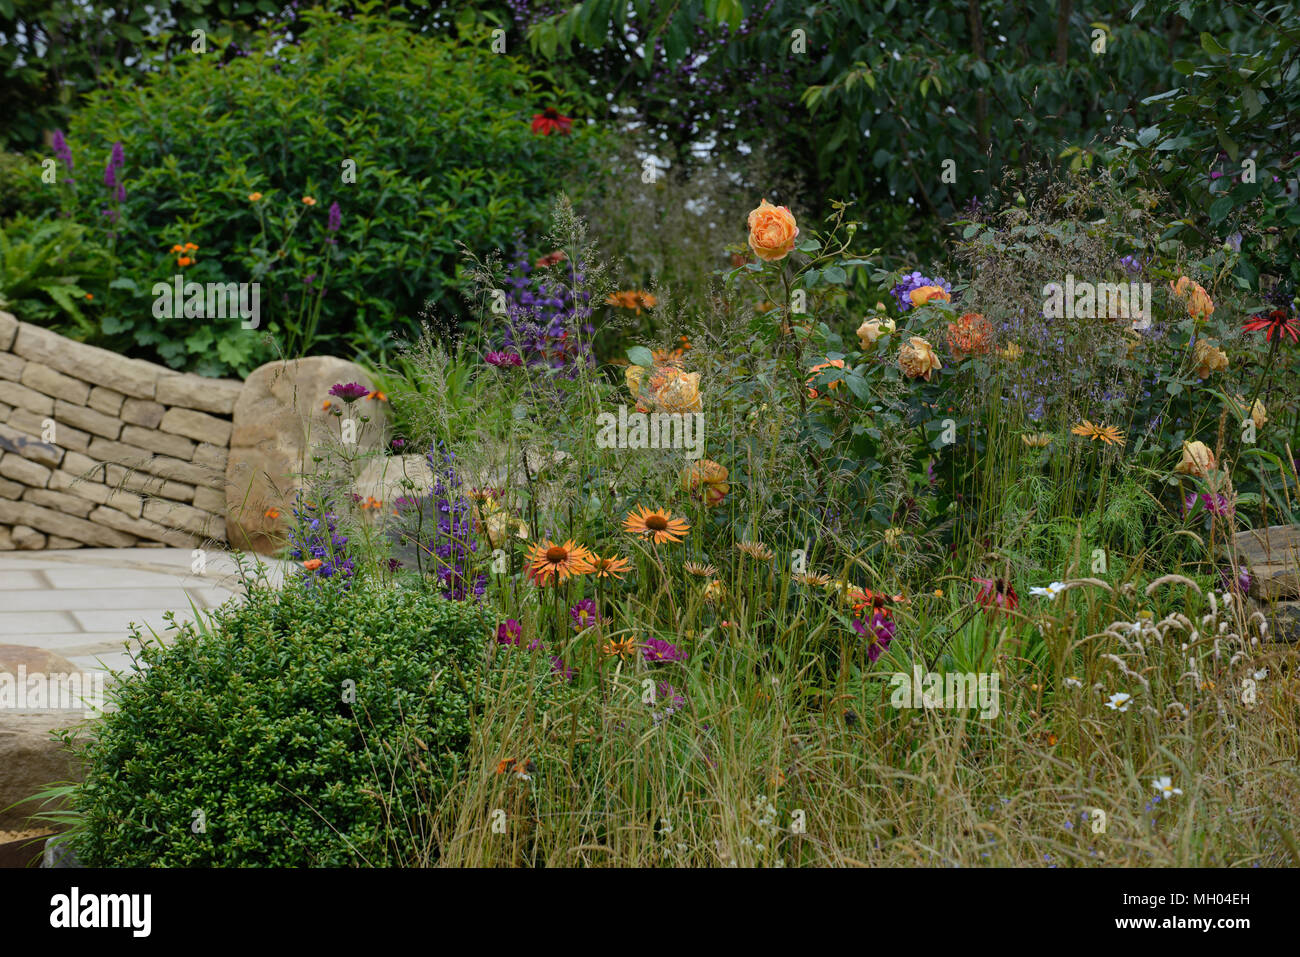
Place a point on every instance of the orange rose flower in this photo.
(772, 231)
(812, 374)
(923, 294)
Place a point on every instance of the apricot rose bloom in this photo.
(1199, 303)
(1197, 459)
(707, 478)
(672, 390)
(923, 294)
(872, 329)
(917, 359)
(772, 231)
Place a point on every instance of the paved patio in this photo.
(80, 602)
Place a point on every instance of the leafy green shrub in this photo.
(20, 186)
(44, 267)
(247, 721)
(438, 134)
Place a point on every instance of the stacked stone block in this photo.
(100, 450)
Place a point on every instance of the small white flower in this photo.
(1261, 674)
(1073, 683)
(1166, 787)
(1051, 591)
(1119, 701)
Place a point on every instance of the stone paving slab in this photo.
(81, 602)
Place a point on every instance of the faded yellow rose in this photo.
(714, 591)
(917, 359)
(772, 231)
(1258, 414)
(923, 294)
(1197, 459)
(634, 375)
(1208, 358)
(873, 329)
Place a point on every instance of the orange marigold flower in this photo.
(657, 525)
(308, 201)
(271, 513)
(547, 559)
(254, 197)
(184, 261)
(190, 246)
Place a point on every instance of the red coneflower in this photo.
(996, 593)
(550, 121)
(1276, 324)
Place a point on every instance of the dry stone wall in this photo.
(100, 450)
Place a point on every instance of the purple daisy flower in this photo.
(656, 649)
(584, 614)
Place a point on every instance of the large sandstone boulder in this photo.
(31, 757)
(283, 433)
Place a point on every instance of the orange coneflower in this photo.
(609, 567)
(1037, 440)
(812, 579)
(657, 525)
(755, 550)
(548, 559)
(1109, 434)
(623, 648)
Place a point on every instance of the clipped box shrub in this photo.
(435, 133)
(240, 744)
